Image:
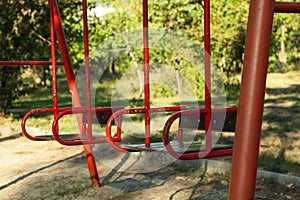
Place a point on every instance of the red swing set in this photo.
(249, 118)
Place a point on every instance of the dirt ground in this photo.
(48, 170)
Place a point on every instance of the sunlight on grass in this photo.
(281, 125)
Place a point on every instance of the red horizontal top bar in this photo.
(38, 63)
(287, 7)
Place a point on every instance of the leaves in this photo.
(24, 35)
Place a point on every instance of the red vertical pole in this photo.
(88, 151)
(251, 102)
(73, 88)
(53, 59)
(207, 65)
(87, 69)
(146, 73)
(66, 58)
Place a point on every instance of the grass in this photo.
(71, 189)
(206, 178)
(278, 163)
(280, 138)
(281, 122)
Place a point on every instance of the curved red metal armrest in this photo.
(73, 139)
(36, 111)
(133, 111)
(209, 153)
(83, 140)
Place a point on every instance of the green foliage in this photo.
(24, 35)
(160, 91)
(285, 39)
(228, 29)
(185, 17)
(8, 88)
(20, 21)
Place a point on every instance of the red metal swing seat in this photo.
(187, 120)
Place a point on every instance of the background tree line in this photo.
(24, 35)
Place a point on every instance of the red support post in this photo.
(207, 75)
(62, 43)
(73, 88)
(87, 69)
(146, 74)
(251, 102)
(53, 60)
(88, 151)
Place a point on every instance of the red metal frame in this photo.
(35, 63)
(57, 30)
(248, 128)
(287, 7)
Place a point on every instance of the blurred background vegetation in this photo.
(24, 35)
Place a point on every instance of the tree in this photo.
(284, 51)
(229, 23)
(24, 35)
(19, 20)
